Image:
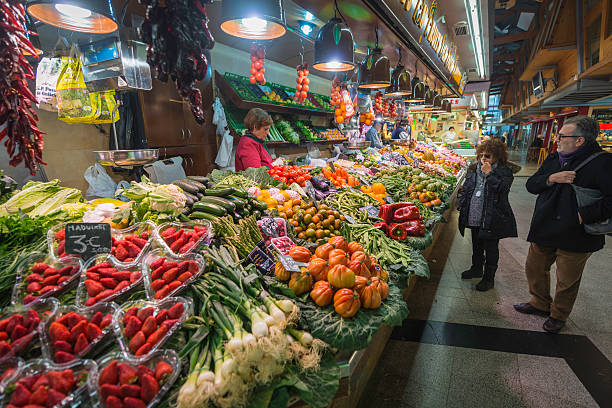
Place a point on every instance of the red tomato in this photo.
(305, 81)
(252, 79)
(258, 65)
(253, 58)
(260, 77)
(253, 70)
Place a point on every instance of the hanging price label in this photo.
(88, 238)
(370, 210)
(331, 166)
(311, 193)
(263, 262)
(290, 264)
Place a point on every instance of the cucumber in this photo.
(210, 208)
(238, 201)
(184, 218)
(240, 192)
(185, 186)
(200, 179)
(220, 191)
(200, 186)
(223, 202)
(199, 215)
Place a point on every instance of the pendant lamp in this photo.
(418, 91)
(400, 80)
(334, 47)
(374, 71)
(253, 19)
(430, 94)
(437, 104)
(85, 16)
(446, 106)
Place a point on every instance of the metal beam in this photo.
(510, 38)
(579, 38)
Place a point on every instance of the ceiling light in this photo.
(374, 71)
(306, 28)
(430, 94)
(334, 47)
(418, 91)
(400, 80)
(253, 19)
(473, 11)
(308, 16)
(85, 16)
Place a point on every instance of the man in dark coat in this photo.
(557, 234)
(485, 209)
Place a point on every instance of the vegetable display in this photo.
(289, 175)
(301, 90)
(258, 55)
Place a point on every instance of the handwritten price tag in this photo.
(88, 238)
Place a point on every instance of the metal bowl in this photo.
(364, 144)
(123, 158)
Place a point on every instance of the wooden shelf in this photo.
(229, 93)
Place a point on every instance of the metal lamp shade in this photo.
(334, 47)
(437, 104)
(253, 19)
(446, 106)
(430, 94)
(85, 16)
(418, 91)
(400, 82)
(374, 72)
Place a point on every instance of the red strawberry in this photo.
(22, 343)
(34, 277)
(122, 285)
(107, 272)
(41, 381)
(132, 311)
(62, 345)
(63, 279)
(50, 272)
(14, 320)
(167, 232)
(144, 349)
(93, 332)
(63, 357)
(169, 323)
(93, 287)
(176, 311)
(33, 287)
(66, 271)
(162, 293)
(81, 343)
(59, 383)
(127, 374)
(71, 319)
(161, 316)
(61, 248)
(139, 242)
(158, 335)
(93, 276)
(90, 302)
(29, 382)
(185, 276)
(145, 312)
(31, 319)
(39, 397)
(162, 370)
(5, 348)
(149, 326)
(145, 235)
(121, 253)
(134, 276)
(55, 398)
(137, 341)
(48, 289)
(96, 318)
(130, 390)
(58, 331)
(68, 376)
(113, 402)
(143, 369)
(3, 336)
(39, 267)
(155, 285)
(109, 374)
(106, 321)
(132, 249)
(157, 263)
(77, 330)
(108, 283)
(169, 265)
(157, 273)
(29, 299)
(51, 280)
(132, 327)
(174, 285)
(185, 248)
(110, 389)
(21, 396)
(130, 402)
(149, 388)
(18, 332)
(122, 275)
(178, 244)
(104, 294)
(3, 324)
(100, 266)
(61, 235)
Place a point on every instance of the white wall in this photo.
(228, 59)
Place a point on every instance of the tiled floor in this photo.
(412, 374)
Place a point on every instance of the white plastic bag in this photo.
(224, 155)
(313, 151)
(46, 80)
(166, 171)
(100, 183)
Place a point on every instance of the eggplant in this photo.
(319, 184)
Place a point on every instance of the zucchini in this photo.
(200, 179)
(184, 218)
(223, 202)
(240, 192)
(188, 188)
(220, 191)
(191, 199)
(200, 186)
(199, 215)
(259, 205)
(240, 203)
(210, 208)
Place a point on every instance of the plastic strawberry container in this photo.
(159, 288)
(272, 228)
(93, 343)
(55, 238)
(133, 347)
(33, 282)
(150, 361)
(9, 369)
(143, 231)
(282, 244)
(44, 308)
(89, 294)
(168, 245)
(75, 393)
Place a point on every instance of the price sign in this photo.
(364, 181)
(88, 238)
(290, 264)
(389, 200)
(263, 262)
(350, 219)
(370, 210)
(311, 193)
(332, 167)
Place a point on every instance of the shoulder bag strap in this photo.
(587, 160)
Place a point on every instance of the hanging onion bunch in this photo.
(24, 140)
(177, 35)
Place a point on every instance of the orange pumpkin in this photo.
(360, 283)
(318, 268)
(300, 282)
(346, 303)
(281, 273)
(354, 247)
(337, 257)
(382, 286)
(341, 277)
(370, 296)
(322, 293)
(300, 254)
(361, 257)
(338, 242)
(323, 251)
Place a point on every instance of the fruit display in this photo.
(258, 55)
(339, 177)
(301, 90)
(167, 276)
(378, 103)
(332, 134)
(102, 280)
(366, 118)
(181, 239)
(289, 174)
(401, 220)
(278, 198)
(311, 223)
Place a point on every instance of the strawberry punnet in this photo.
(104, 281)
(17, 330)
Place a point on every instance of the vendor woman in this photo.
(251, 150)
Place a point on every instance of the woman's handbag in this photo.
(589, 196)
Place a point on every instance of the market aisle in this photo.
(463, 348)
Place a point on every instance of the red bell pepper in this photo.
(415, 228)
(387, 211)
(383, 226)
(406, 214)
(398, 231)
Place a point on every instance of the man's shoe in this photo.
(526, 308)
(553, 325)
(485, 285)
(471, 274)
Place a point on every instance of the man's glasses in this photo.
(566, 136)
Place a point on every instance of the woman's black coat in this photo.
(498, 218)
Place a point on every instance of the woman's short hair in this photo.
(257, 118)
(496, 147)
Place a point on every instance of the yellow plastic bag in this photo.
(107, 105)
(74, 103)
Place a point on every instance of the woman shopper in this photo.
(251, 150)
(484, 209)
